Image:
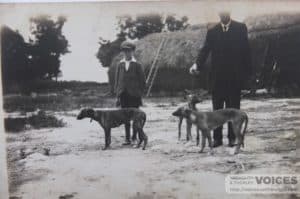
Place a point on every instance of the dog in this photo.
(208, 121)
(192, 99)
(112, 118)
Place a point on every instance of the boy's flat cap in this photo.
(126, 45)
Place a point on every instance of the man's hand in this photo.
(118, 102)
(193, 69)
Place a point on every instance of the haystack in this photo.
(181, 48)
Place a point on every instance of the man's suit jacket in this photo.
(132, 80)
(230, 56)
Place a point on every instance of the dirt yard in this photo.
(77, 168)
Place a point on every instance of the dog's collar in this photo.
(93, 117)
(192, 106)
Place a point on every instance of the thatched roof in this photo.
(272, 22)
(268, 25)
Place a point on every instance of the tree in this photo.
(141, 26)
(39, 59)
(146, 24)
(174, 24)
(108, 50)
(47, 45)
(14, 58)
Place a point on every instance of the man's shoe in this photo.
(216, 144)
(231, 143)
(126, 143)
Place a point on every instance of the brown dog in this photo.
(109, 119)
(192, 100)
(208, 121)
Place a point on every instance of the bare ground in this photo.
(168, 168)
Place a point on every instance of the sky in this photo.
(87, 21)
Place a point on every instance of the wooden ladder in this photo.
(154, 68)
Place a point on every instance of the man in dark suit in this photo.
(129, 83)
(231, 66)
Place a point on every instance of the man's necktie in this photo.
(225, 28)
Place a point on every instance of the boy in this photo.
(129, 83)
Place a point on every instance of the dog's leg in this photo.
(198, 136)
(210, 144)
(188, 130)
(238, 134)
(134, 135)
(127, 133)
(179, 127)
(135, 132)
(107, 138)
(136, 129)
(141, 138)
(203, 141)
(140, 142)
(145, 139)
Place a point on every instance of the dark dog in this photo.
(208, 121)
(192, 101)
(115, 117)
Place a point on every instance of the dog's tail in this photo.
(245, 129)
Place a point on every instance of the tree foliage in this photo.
(47, 45)
(174, 24)
(14, 57)
(141, 26)
(108, 50)
(39, 59)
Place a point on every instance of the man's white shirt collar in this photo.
(127, 62)
(225, 27)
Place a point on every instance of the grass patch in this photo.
(61, 96)
(59, 102)
(49, 86)
(35, 121)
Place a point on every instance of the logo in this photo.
(268, 184)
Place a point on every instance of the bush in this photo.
(36, 121)
(14, 124)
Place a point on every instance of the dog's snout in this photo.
(175, 113)
(79, 116)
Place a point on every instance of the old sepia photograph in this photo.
(150, 99)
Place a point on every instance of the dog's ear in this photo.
(90, 111)
(202, 94)
(186, 94)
